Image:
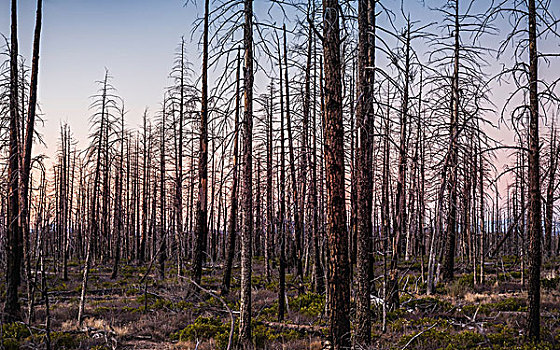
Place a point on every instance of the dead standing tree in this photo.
(458, 60)
(104, 106)
(365, 121)
(338, 271)
(232, 226)
(524, 42)
(119, 210)
(201, 204)
(14, 258)
(247, 193)
(28, 146)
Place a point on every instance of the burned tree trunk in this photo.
(549, 200)
(534, 204)
(295, 199)
(13, 244)
(339, 278)
(269, 188)
(449, 252)
(118, 202)
(247, 195)
(145, 185)
(282, 216)
(201, 204)
(318, 274)
(179, 167)
(232, 228)
(365, 120)
(393, 285)
(162, 256)
(27, 148)
(93, 230)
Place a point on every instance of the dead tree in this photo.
(449, 253)
(282, 194)
(14, 241)
(27, 149)
(201, 205)
(524, 41)
(247, 194)
(119, 212)
(339, 278)
(162, 244)
(554, 151)
(295, 195)
(318, 274)
(365, 121)
(269, 188)
(104, 103)
(141, 254)
(534, 204)
(232, 227)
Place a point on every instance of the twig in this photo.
(417, 335)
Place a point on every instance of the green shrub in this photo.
(10, 344)
(505, 337)
(15, 330)
(465, 340)
(13, 334)
(508, 304)
(309, 304)
(205, 328)
(61, 340)
(263, 335)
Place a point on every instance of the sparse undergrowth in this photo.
(172, 314)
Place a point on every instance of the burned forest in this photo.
(280, 174)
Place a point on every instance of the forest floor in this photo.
(174, 314)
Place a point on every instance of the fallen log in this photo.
(304, 328)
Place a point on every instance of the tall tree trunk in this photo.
(282, 216)
(145, 186)
(449, 253)
(295, 199)
(339, 279)
(93, 231)
(232, 228)
(162, 256)
(482, 226)
(365, 120)
(118, 203)
(63, 199)
(13, 278)
(534, 219)
(549, 201)
(201, 204)
(247, 195)
(179, 167)
(27, 148)
(318, 274)
(400, 199)
(269, 188)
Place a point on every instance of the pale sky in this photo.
(136, 40)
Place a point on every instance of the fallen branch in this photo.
(316, 330)
(417, 335)
(95, 291)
